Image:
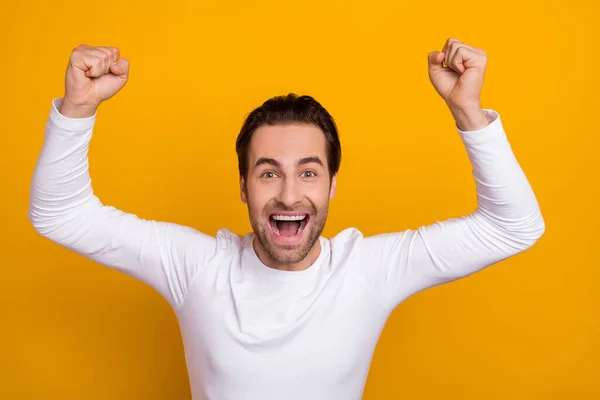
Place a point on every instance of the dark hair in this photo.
(292, 108)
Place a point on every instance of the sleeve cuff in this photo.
(69, 124)
(494, 129)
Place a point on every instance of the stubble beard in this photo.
(285, 255)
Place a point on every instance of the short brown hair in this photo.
(292, 108)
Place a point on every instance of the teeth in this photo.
(301, 227)
(289, 217)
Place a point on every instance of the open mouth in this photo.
(288, 225)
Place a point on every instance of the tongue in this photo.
(288, 228)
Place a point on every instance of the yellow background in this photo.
(528, 328)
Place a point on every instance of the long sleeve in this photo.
(64, 209)
(507, 221)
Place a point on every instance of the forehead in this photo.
(287, 142)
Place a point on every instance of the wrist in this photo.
(70, 110)
(469, 118)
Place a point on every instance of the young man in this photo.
(283, 313)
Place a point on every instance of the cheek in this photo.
(318, 194)
(259, 195)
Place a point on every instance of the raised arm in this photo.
(64, 208)
(507, 219)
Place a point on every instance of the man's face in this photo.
(287, 190)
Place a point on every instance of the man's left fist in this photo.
(459, 82)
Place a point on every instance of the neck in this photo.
(309, 260)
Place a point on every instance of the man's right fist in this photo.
(94, 74)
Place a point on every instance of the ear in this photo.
(333, 187)
(243, 194)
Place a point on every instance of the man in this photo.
(283, 313)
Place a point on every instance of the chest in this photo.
(322, 333)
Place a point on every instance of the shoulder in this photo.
(346, 237)
(369, 249)
(354, 237)
(347, 244)
(230, 241)
(212, 247)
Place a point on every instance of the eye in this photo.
(268, 175)
(308, 174)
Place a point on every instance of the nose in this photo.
(289, 193)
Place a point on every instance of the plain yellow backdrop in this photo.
(163, 148)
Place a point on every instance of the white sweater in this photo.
(253, 332)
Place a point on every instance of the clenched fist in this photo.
(460, 81)
(94, 74)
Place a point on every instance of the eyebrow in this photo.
(277, 164)
(310, 160)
